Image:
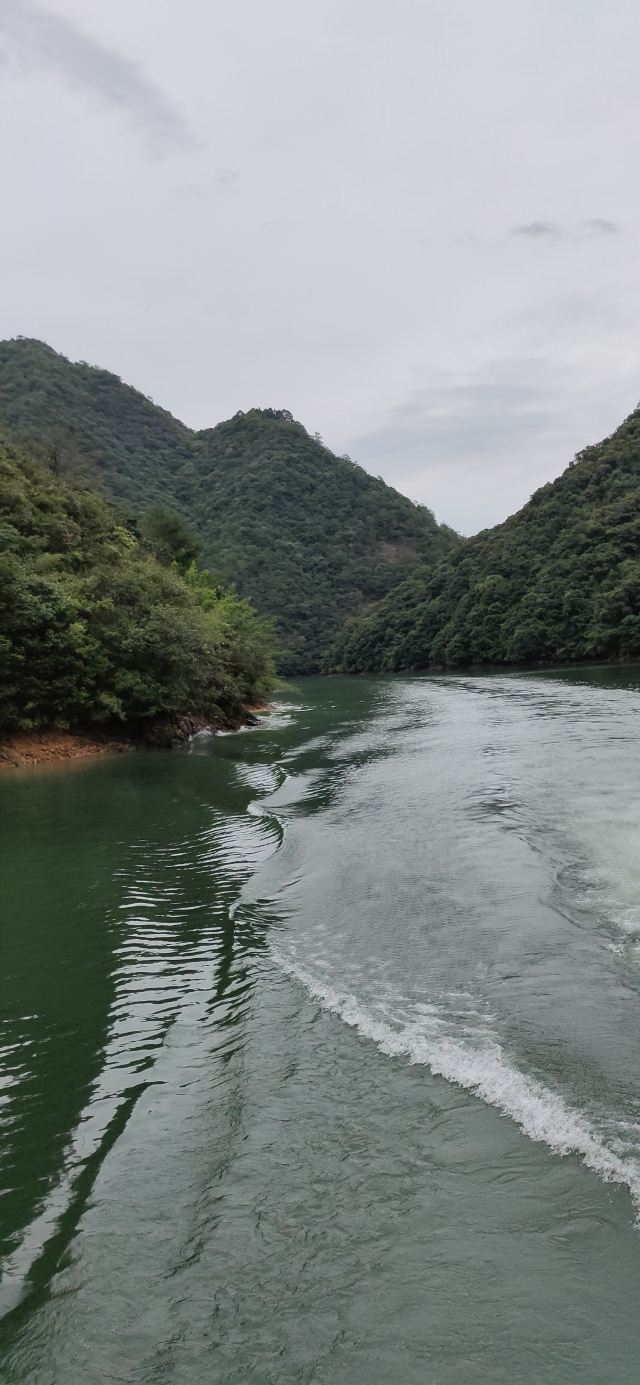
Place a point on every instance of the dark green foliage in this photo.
(93, 629)
(558, 581)
(169, 538)
(311, 536)
(78, 419)
(308, 536)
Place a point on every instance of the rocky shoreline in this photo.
(26, 749)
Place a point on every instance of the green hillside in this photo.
(96, 630)
(558, 581)
(310, 537)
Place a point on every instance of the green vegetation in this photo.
(309, 537)
(97, 628)
(558, 581)
(355, 575)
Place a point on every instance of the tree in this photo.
(95, 629)
(169, 537)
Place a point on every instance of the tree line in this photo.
(105, 621)
(557, 582)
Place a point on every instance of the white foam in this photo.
(629, 922)
(484, 1070)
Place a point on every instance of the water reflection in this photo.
(141, 937)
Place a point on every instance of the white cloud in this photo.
(475, 447)
(37, 37)
(339, 242)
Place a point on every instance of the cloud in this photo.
(600, 226)
(475, 446)
(38, 37)
(552, 230)
(227, 179)
(537, 230)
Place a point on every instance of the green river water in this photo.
(319, 1045)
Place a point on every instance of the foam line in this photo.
(540, 1113)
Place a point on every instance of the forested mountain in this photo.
(558, 581)
(310, 537)
(85, 421)
(102, 626)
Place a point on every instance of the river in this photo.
(319, 1045)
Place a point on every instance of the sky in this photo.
(413, 223)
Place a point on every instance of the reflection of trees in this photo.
(147, 924)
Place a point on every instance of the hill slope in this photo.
(310, 537)
(558, 581)
(95, 630)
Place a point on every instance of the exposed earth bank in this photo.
(22, 749)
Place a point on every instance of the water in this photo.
(319, 1046)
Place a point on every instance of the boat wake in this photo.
(482, 1069)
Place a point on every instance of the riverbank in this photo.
(29, 748)
(26, 749)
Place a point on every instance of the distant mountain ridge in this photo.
(312, 538)
(558, 581)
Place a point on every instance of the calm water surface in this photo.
(319, 1046)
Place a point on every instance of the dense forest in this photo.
(310, 537)
(356, 576)
(558, 581)
(105, 625)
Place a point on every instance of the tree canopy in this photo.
(308, 536)
(95, 629)
(558, 581)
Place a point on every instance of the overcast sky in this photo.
(414, 223)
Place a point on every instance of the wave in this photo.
(485, 1071)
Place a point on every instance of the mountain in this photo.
(558, 581)
(310, 537)
(96, 631)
